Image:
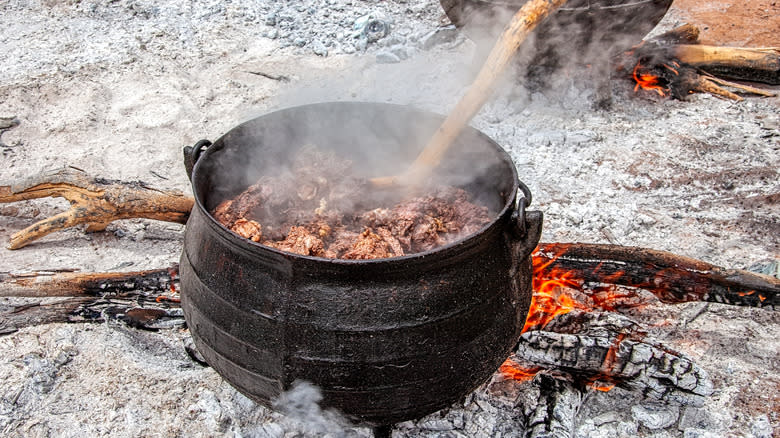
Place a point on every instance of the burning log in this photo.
(553, 368)
(95, 202)
(674, 64)
(671, 278)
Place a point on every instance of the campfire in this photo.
(674, 64)
(578, 335)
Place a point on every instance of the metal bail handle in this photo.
(522, 203)
(191, 155)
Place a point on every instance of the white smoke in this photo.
(301, 405)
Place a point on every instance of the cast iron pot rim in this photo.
(509, 206)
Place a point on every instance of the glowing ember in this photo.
(648, 81)
(511, 370)
(602, 386)
(550, 297)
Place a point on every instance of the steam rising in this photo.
(574, 47)
(301, 405)
(578, 39)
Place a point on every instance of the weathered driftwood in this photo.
(670, 277)
(94, 202)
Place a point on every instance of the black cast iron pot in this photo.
(577, 25)
(580, 33)
(385, 340)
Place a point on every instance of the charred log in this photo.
(142, 299)
(70, 284)
(749, 64)
(670, 277)
(610, 348)
(674, 64)
(553, 413)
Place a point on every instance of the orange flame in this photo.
(511, 370)
(648, 81)
(602, 386)
(550, 298)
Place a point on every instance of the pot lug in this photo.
(191, 155)
(526, 231)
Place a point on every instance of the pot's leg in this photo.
(383, 431)
(95, 202)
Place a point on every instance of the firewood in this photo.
(90, 284)
(675, 64)
(32, 313)
(143, 299)
(612, 348)
(95, 202)
(672, 278)
(603, 350)
(750, 64)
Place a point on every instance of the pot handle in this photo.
(527, 228)
(191, 155)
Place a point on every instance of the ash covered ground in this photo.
(117, 88)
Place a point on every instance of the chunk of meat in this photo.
(248, 229)
(300, 241)
(369, 245)
(316, 207)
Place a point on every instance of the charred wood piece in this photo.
(593, 346)
(674, 64)
(142, 312)
(670, 277)
(748, 64)
(553, 412)
(142, 299)
(93, 284)
(94, 202)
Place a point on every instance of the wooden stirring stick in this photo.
(522, 24)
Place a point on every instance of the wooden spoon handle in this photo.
(522, 24)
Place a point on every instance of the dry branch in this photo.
(95, 202)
